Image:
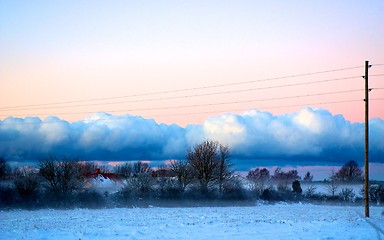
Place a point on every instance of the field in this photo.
(262, 221)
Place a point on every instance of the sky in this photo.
(184, 66)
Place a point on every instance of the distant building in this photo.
(104, 182)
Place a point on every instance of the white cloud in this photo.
(309, 133)
(309, 119)
(227, 129)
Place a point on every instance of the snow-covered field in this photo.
(281, 221)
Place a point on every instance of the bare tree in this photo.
(310, 188)
(203, 160)
(333, 183)
(308, 177)
(283, 179)
(349, 172)
(140, 168)
(210, 164)
(61, 174)
(167, 186)
(347, 194)
(87, 168)
(260, 178)
(138, 177)
(125, 171)
(183, 172)
(139, 182)
(225, 172)
(27, 184)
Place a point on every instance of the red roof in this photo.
(111, 176)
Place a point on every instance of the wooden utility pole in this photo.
(366, 162)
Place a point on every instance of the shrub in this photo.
(308, 177)
(90, 199)
(233, 190)
(296, 187)
(8, 196)
(61, 176)
(347, 194)
(270, 194)
(5, 169)
(333, 184)
(283, 179)
(376, 193)
(27, 188)
(138, 187)
(310, 191)
(169, 189)
(260, 179)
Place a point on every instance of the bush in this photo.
(347, 194)
(260, 178)
(90, 199)
(270, 194)
(5, 169)
(233, 190)
(8, 197)
(310, 191)
(376, 193)
(139, 187)
(194, 193)
(169, 189)
(61, 176)
(28, 191)
(296, 187)
(283, 179)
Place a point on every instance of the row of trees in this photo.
(206, 172)
(269, 186)
(56, 181)
(349, 172)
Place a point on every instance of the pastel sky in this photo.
(62, 51)
(253, 74)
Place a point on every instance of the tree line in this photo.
(205, 173)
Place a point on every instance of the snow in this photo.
(323, 188)
(103, 184)
(280, 221)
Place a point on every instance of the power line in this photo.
(195, 113)
(190, 95)
(208, 104)
(185, 89)
(282, 106)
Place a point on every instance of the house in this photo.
(104, 182)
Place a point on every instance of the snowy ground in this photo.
(281, 221)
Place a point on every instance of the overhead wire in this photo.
(49, 105)
(193, 113)
(190, 95)
(185, 89)
(257, 108)
(208, 104)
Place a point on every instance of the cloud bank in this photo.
(308, 134)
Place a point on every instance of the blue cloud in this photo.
(308, 134)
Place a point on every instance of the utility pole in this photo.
(366, 162)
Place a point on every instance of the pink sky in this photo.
(70, 51)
